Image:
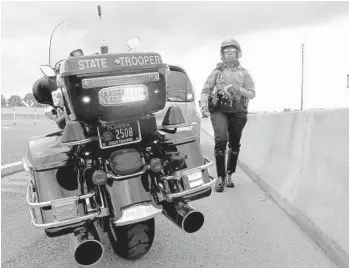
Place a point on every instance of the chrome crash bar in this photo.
(194, 190)
(145, 168)
(189, 171)
(124, 177)
(57, 223)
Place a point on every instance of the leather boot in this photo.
(229, 181)
(233, 156)
(220, 165)
(231, 167)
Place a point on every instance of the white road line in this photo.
(12, 190)
(20, 176)
(18, 183)
(12, 165)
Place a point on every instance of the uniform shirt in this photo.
(222, 76)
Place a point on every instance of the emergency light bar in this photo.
(119, 80)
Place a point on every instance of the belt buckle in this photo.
(230, 103)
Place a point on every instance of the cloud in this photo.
(198, 18)
(273, 58)
(186, 33)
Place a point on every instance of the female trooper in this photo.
(225, 97)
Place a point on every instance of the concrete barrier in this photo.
(301, 159)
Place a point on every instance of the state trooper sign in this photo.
(109, 62)
(93, 63)
(137, 60)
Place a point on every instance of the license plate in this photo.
(65, 209)
(117, 134)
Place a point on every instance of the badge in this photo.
(107, 136)
(117, 61)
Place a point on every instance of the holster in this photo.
(214, 101)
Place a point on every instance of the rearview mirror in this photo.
(47, 71)
(133, 42)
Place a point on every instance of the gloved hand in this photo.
(232, 89)
(205, 112)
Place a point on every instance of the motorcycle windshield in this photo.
(88, 32)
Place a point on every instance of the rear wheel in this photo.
(134, 240)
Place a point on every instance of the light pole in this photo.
(302, 77)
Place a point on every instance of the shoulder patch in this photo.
(219, 66)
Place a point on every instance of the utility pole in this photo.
(302, 77)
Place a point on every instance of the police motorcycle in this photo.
(110, 167)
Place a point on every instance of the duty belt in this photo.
(231, 105)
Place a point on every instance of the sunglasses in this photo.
(233, 50)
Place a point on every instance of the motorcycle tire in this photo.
(134, 240)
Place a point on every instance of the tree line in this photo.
(17, 101)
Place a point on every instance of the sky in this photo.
(189, 34)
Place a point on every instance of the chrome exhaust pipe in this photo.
(87, 248)
(184, 216)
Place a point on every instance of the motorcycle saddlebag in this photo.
(53, 177)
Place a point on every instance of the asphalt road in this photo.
(243, 228)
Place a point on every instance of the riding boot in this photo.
(231, 167)
(220, 165)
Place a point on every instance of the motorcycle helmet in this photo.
(42, 90)
(231, 43)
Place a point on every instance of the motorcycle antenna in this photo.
(99, 11)
(104, 48)
(49, 47)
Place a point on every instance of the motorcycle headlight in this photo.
(122, 94)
